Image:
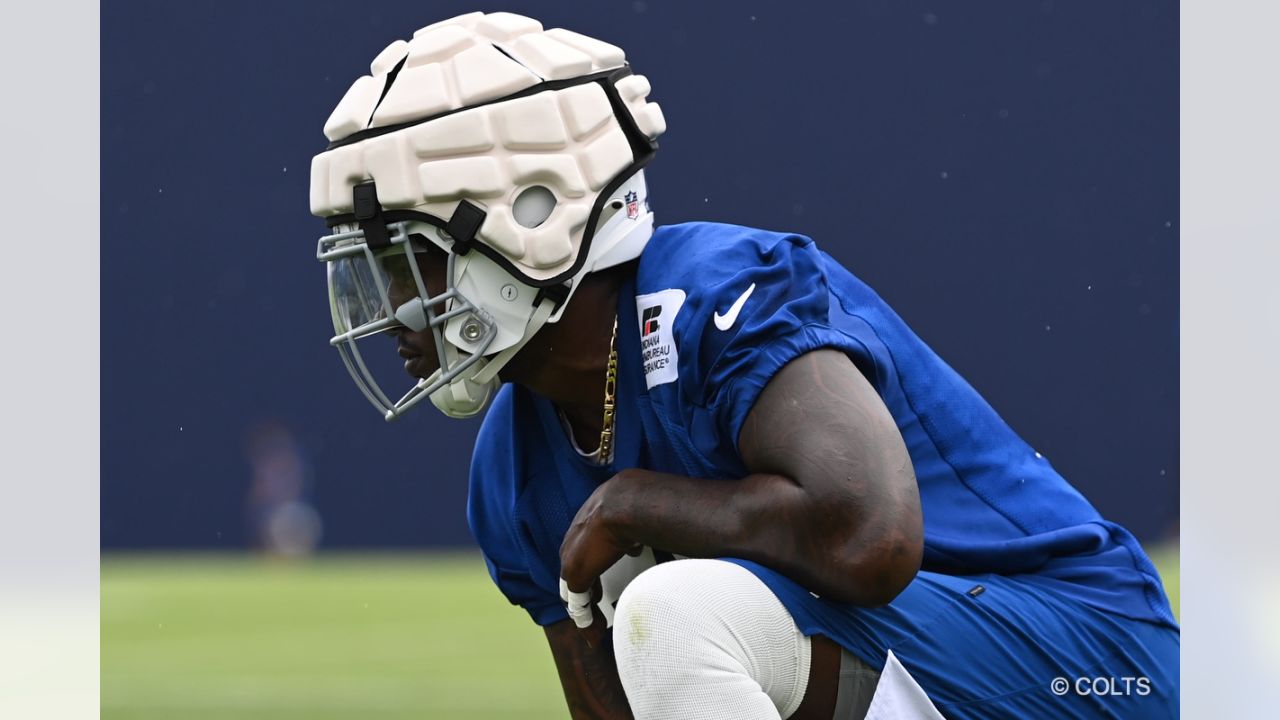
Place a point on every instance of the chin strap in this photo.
(466, 396)
(497, 362)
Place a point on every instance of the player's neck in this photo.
(566, 362)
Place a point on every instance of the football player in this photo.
(717, 469)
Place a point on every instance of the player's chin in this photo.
(420, 367)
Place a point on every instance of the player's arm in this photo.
(587, 671)
(831, 501)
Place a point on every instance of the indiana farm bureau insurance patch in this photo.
(657, 314)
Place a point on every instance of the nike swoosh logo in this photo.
(726, 321)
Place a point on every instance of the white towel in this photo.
(899, 697)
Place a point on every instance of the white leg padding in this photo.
(707, 639)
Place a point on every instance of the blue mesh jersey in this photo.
(713, 312)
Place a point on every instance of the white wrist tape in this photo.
(578, 604)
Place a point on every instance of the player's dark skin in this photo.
(831, 499)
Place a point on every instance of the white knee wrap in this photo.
(707, 639)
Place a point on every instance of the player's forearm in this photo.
(822, 541)
(588, 672)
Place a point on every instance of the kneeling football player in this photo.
(717, 468)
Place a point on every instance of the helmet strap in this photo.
(368, 212)
(497, 362)
(463, 225)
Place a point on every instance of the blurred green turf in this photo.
(377, 636)
(360, 636)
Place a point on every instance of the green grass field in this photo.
(359, 636)
(350, 636)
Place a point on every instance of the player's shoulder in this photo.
(701, 286)
(499, 432)
(692, 254)
(493, 481)
(500, 414)
(705, 264)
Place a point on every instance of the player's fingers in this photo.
(578, 604)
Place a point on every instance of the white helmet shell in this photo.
(493, 135)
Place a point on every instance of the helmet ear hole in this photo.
(533, 206)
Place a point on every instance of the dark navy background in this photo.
(1005, 174)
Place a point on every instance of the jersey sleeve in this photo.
(520, 589)
(760, 302)
(494, 485)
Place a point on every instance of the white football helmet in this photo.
(516, 150)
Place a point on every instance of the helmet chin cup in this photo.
(463, 398)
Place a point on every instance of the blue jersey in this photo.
(713, 312)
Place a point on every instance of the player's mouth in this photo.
(412, 358)
(416, 363)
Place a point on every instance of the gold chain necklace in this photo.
(610, 388)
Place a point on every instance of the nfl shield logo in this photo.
(633, 205)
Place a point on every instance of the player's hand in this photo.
(590, 548)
